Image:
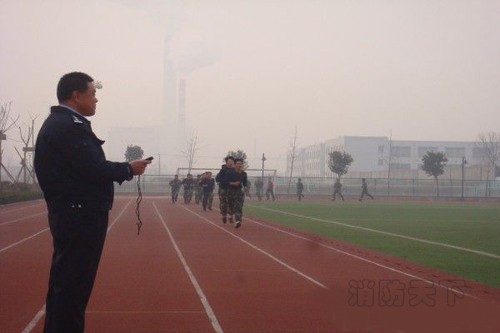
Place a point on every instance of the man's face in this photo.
(230, 163)
(238, 165)
(86, 101)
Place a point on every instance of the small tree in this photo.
(239, 154)
(133, 152)
(433, 164)
(339, 162)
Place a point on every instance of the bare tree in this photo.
(4, 127)
(190, 153)
(489, 145)
(28, 151)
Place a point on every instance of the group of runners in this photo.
(337, 190)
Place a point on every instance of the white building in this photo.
(382, 157)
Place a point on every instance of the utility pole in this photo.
(292, 159)
(263, 160)
(464, 162)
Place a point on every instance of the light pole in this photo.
(464, 162)
(263, 160)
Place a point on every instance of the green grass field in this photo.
(461, 238)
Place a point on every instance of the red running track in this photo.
(188, 272)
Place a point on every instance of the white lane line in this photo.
(23, 240)
(199, 291)
(31, 325)
(259, 249)
(35, 320)
(119, 215)
(22, 218)
(458, 292)
(486, 254)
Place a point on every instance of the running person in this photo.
(221, 180)
(364, 191)
(237, 181)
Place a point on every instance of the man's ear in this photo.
(75, 96)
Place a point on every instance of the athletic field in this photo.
(317, 266)
(457, 237)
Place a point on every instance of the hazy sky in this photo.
(419, 69)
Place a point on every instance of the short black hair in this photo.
(70, 82)
(229, 158)
(238, 160)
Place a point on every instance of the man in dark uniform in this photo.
(207, 185)
(300, 189)
(270, 189)
(77, 183)
(364, 190)
(188, 186)
(259, 186)
(337, 189)
(221, 180)
(237, 181)
(198, 191)
(175, 186)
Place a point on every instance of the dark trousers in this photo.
(78, 238)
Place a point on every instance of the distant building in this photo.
(380, 157)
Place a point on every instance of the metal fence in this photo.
(314, 186)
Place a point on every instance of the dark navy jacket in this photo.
(70, 164)
(233, 176)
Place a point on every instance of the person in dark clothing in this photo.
(259, 187)
(175, 187)
(270, 189)
(300, 189)
(188, 187)
(364, 190)
(337, 189)
(77, 183)
(221, 180)
(207, 185)
(198, 191)
(237, 181)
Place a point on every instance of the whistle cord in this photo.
(138, 202)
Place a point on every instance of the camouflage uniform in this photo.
(198, 191)
(175, 186)
(235, 193)
(188, 184)
(207, 185)
(221, 180)
(235, 200)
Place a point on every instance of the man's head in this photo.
(238, 163)
(77, 91)
(229, 161)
